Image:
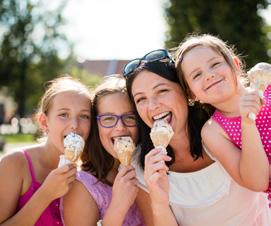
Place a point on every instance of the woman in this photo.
(196, 190)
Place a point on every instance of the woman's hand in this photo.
(155, 176)
(58, 181)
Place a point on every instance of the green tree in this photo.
(237, 22)
(29, 41)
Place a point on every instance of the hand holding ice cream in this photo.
(124, 146)
(73, 147)
(259, 77)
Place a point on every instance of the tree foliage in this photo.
(237, 22)
(30, 38)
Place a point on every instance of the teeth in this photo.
(162, 115)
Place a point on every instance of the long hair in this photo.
(197, 116)
(95, 159)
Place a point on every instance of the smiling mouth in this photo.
(163, 116)
(213, 84)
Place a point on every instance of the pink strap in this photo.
(30, 165)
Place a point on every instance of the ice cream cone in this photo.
(161, 133)
(73, 147)
(124, 147)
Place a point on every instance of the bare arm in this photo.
(11, 174)
(124, 192)
(79, 208)
(158, 186)
(249, 167)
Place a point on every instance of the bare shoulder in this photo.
(14, 160)
(211, 129)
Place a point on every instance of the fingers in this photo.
(127, 173)
(155, 161)
(250, 102)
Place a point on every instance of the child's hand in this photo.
(58, 182)
(125, 188)
(250, 104)
(155, 176)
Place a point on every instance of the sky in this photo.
(115, 29)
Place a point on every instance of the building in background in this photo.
(103, 67)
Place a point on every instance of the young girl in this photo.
(210, 72)
(31, 182)
(104, 190)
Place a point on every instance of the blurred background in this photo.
(89, 39)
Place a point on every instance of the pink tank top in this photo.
(51, 215)
(232, 126)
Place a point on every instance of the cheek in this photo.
(142, 112)
(134, 133)
(104, 136)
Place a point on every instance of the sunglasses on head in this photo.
(155, 55)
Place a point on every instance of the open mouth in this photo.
(115, 137)
(165, 116)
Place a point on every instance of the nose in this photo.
(153, 104)
(120, 125)
(74, 124)
(209, 75)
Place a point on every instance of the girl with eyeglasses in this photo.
(196, 190)
(104, 192)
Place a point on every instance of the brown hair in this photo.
(95, 159)
(206, 40)
(59, 85)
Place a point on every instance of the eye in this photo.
(64, 115)
(163, 90)
(85, 116)
(215, 64)
(196, 75)
(108, 118)
(130, 118)
(140, 100)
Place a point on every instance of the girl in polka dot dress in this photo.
(210, 72)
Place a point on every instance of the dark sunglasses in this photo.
(155, 55)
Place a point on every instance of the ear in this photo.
(236, 62)
(42, 119)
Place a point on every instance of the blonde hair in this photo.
(59, 85)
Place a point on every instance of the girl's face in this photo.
(208, 75)
(68, 112)
(115, 104)
(156, 97)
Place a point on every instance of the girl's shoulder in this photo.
(211, 129)
(16, 160)
(13, 160)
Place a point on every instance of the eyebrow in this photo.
(67, 109)
(156, 86)
(212, 58)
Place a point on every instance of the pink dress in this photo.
(102, 194)
(51, 215)
(232, 126)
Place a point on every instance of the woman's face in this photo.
(115, 104)
(156, 97)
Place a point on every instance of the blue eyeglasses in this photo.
(111, 120)
(155, 55)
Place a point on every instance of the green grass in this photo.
(18, 138)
